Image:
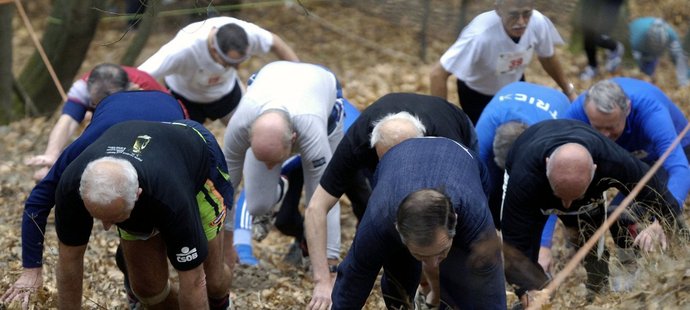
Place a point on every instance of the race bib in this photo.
(510, 62)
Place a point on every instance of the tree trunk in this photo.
(6, 11)
(143, 32)
(686, 43)
(423, 37)
(66, 41)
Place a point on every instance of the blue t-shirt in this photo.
(519, 101)
(650, 128)
(116, 108)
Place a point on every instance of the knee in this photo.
(149, 297)
(218, 284)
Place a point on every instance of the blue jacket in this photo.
(414, 164)
(116, 108)
(654, 122)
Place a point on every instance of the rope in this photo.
(579, 256)
(219, 8)
(39, 47)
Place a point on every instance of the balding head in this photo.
(393, 129)
(272, 136)
(570, 170)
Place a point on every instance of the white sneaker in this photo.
(588, 73)
(614, 58)
(624, 273)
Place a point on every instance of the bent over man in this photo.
(564, 167)
(398, 116)
(118, 107)
(427, 213)
(290, 108)
(161, 185)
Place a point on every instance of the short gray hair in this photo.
(656, 38)
(102, 185)
(377, 136)
(505, 136)
(422, 213)
(606, 95)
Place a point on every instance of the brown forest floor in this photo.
(372, 57)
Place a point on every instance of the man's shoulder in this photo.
(483, 27)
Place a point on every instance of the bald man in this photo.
(381, 125)
(564, 167)
(289, 108)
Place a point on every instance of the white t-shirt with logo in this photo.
(486, 58)
(187, 66)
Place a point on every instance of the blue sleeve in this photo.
(74, 110)
(358, 271)
(547, 233)
(576, 110)
(36, 211)
(637, 29)
(658, 126)
(41, 201)
(486, 130)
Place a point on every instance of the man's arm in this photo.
(193, 289)
(657, 125)
(680, 60)
(431, 273)
(64, 128)
(29, 281)
(70, 275)
(282, 50)
(358, 271)
(553, 67)
(438, 79)
(235, 145)
(315, 229)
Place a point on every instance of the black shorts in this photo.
(199, 112)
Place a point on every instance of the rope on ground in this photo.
(579, 256)
(39, 47)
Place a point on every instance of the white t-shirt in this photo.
(486, 58)
(307, 92)
(187, 66)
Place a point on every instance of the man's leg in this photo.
(242, 236)
(218, 275)
(147, 266)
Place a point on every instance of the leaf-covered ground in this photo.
(372, 57)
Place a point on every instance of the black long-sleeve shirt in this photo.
(440, 118)
(529, 193)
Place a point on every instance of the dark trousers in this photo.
(598, 18)
(472, 101)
